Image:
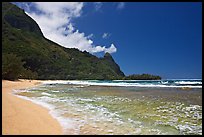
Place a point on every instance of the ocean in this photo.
(122, 107)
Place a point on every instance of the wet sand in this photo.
(22, 117)
(144, 106)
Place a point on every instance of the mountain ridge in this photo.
(22, 36)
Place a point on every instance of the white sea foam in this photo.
(66, 123)
(188, 82)
(85, 99)
(124, 84)
(128, 83)
(90, 113)
(55, 91)
(55, 82)
(19, 90)
(47, 94)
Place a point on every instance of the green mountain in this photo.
(22, 37)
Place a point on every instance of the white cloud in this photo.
(121, 5)
(106, 35)
(112, 49)
(98, 5)
(90, 36)
(56, 23)
(70, 28)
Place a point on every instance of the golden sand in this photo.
(22, 117)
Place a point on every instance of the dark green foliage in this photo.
(28, 74)
(12, 68)
(142, 77)
(45, 59)
(110, 61)
(17, 19)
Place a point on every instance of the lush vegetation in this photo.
(22, 37)
(28, 54)
(142, 77)
(12, 68)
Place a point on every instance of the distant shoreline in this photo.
(22, 117)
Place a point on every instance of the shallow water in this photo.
(83, 109)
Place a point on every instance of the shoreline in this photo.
(47, 128)
(23, 117)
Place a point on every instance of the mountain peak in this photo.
(17, 18)
(22, 37)
(108, 56)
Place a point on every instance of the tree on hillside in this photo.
(142, 77)
(12, 66)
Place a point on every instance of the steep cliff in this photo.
(22, 37)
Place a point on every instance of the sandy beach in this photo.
(22, 117)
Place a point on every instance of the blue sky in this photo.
(160, 38)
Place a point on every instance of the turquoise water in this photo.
(122, 107)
